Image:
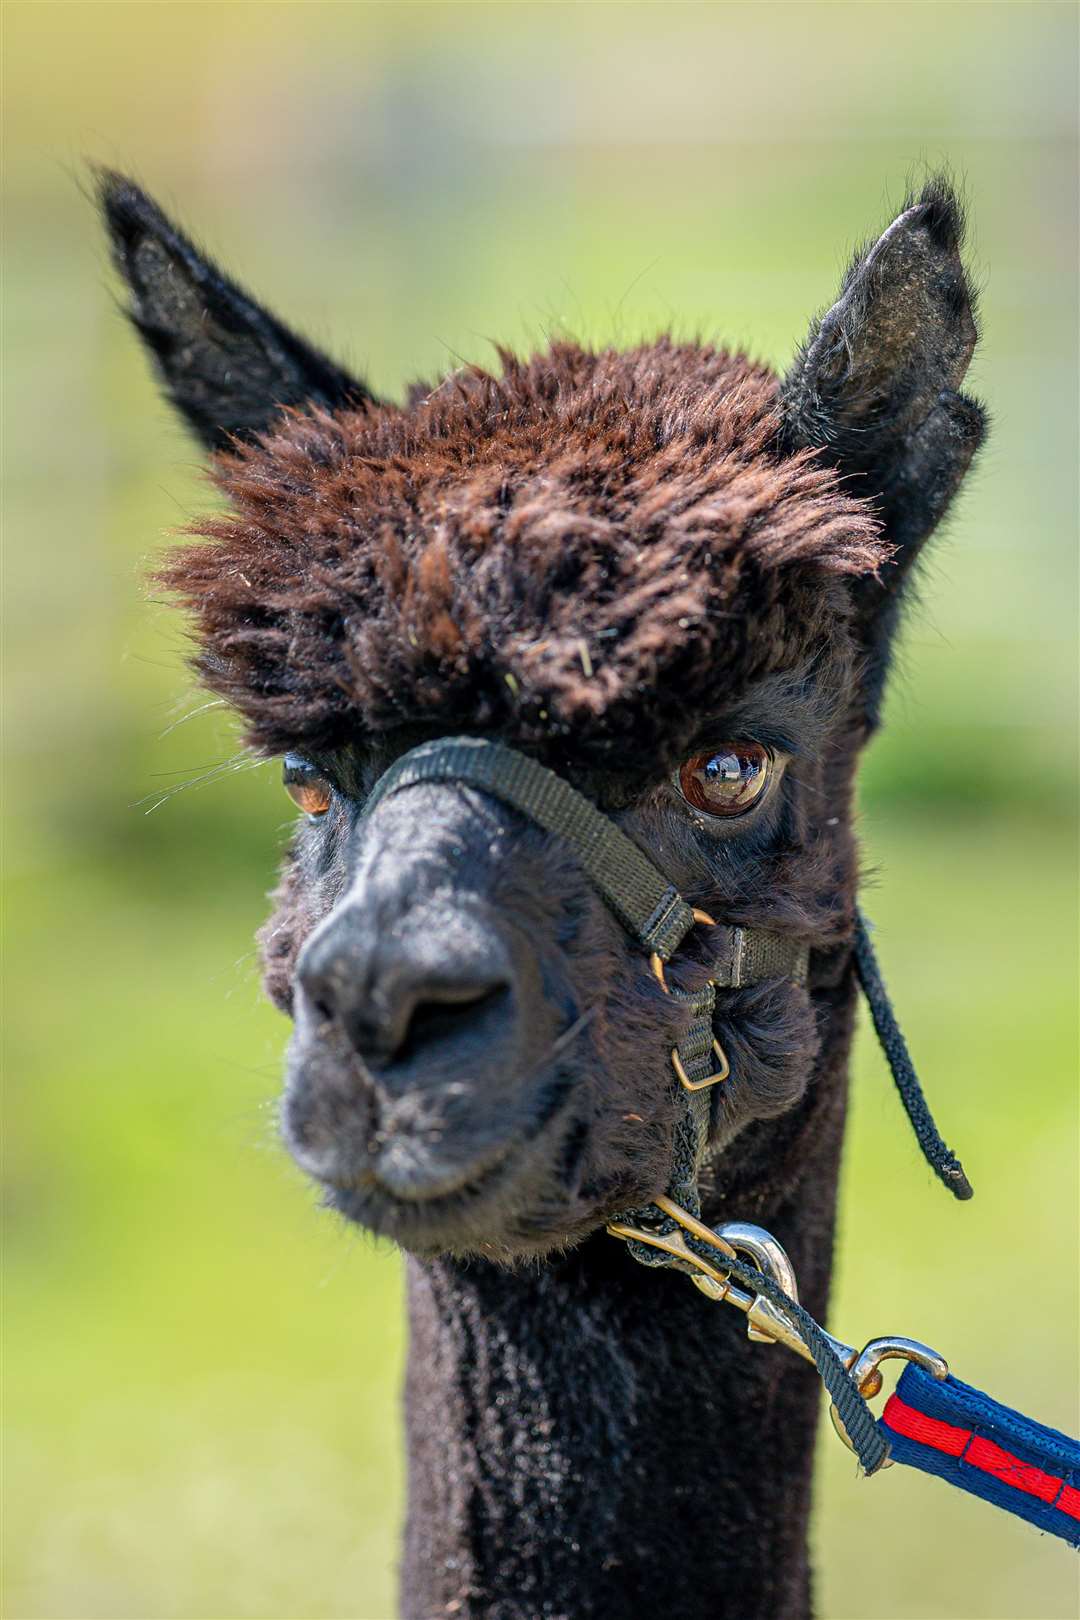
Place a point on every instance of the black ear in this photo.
(876, 388)
(227, 365)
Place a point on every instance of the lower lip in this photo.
(465, 1181)
(434, 1226)
(371, 1190)
(379, 1207)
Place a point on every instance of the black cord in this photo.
(942, 1161)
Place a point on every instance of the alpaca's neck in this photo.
(595, 1439)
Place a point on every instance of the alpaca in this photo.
(675, 579)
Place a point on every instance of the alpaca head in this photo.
(669, 575)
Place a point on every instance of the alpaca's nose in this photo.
(392, 995)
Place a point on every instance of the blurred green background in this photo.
(202, 1371)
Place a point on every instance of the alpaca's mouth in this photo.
(504, 1201)
(430, 1220)
(412, 1177)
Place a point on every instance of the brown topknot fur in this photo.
(588, 544)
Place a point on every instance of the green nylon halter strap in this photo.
(649, 907)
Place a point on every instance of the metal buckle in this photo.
(724, 1067)
(710, 1079)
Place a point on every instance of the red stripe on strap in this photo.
(915, 1425)
(1069, 1502)
(980, 1453)
(1011, 1471)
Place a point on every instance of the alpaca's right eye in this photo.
(726, 781)
(306, 787)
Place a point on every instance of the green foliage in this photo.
(202, 1370)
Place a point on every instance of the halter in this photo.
(649, 907)
(669, 1231)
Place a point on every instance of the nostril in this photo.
(321, 1003)
(390, 997)
(449, 1012)
(319, 992)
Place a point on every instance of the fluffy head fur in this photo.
(593, 546)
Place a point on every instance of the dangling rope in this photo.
(940, 1158)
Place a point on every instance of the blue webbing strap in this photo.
(949, 1429)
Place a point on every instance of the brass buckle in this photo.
(710, 1079)
(724, 1067)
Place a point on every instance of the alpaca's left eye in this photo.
(306, 787)
(726, 781)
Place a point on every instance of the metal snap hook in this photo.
(864, 1366)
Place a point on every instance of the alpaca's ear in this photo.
(227, 365)
(876, 388)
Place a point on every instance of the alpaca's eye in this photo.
(726, 781)
(307, 789)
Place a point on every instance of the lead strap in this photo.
(945, 1427)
